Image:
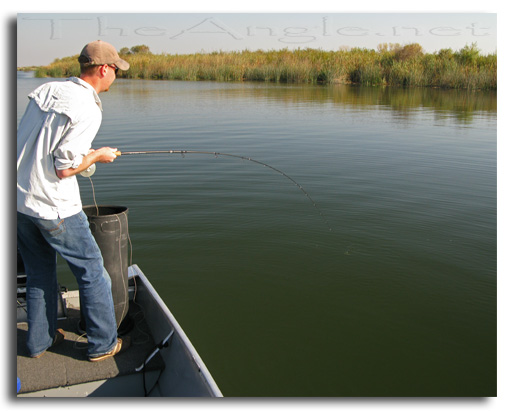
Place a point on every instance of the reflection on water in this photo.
(462, 105)
(399, 299)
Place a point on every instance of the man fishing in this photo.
(53, 145)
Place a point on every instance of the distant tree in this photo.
(408, 52)
(445, 54)
(468, 54)
(141, 49)
(124, 51)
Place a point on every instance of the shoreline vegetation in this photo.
(389, 65)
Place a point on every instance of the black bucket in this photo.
(109, 225)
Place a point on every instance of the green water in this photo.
(398, 299)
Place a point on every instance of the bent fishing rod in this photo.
(215, 153)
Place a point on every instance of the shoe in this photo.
(121, 346)
(58, 338)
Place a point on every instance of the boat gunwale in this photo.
(135, 271)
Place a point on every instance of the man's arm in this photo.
(102, 155)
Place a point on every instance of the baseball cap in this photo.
(100, 52)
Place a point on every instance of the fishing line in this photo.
(94, 197)
(215, 153)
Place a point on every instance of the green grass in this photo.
(390, 64)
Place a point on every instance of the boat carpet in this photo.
(67, 363)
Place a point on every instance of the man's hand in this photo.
(105, 154)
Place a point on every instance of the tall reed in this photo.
(390, 64)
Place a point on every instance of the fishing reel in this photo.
(88, 172)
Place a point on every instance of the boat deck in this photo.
(66, 366)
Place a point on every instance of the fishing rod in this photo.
(215, 153)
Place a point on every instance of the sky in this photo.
(43, 37)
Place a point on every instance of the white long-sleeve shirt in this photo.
(56, 132)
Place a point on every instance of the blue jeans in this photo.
(38, 242)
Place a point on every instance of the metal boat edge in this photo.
(160, 332)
